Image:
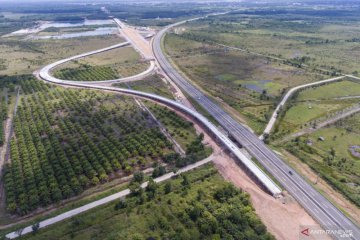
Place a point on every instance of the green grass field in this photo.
(339, 139)
(202, 207)
(332, 90)
(304, 112)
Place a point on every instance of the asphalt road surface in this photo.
(324, 212)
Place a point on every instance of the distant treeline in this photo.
(306, 12)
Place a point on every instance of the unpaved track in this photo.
(5, 149)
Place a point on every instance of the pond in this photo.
(86, 22)
(355, 151)
(257, 86)
(96, 32)
(43, 25)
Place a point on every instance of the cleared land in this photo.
(55, 31)
(199, 205)
(330, 91)
(113, 64)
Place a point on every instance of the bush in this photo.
(225, 193)
(138, 177)
(120, 205)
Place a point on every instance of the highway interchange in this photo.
(45, 74)
(326, 214)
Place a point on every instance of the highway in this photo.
(224, 140)
(317, 206)
(137, 41)
(322, 210)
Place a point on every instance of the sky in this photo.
(102, 1)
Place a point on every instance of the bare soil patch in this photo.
(282, 217)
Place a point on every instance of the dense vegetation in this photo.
(11, 81)
(196, 205)
(3, 115)
(14, 16)
(9, 25)
(87, 73)
(68, 140)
